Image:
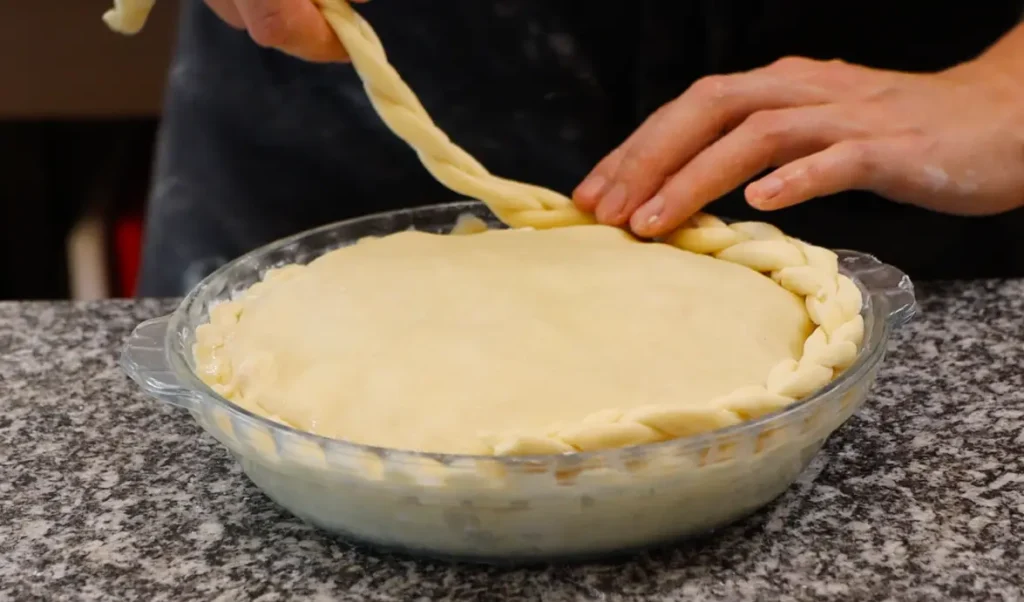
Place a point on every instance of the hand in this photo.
(296, 27)
(951, 141)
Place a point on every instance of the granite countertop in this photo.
(107, 494)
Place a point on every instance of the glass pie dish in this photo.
(506, 509)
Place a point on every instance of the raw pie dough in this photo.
(553, 337)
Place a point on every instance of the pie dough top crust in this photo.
(506, 341)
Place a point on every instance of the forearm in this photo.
(1007, 55)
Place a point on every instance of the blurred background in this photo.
(79, 109)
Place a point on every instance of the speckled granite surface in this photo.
(105, 494)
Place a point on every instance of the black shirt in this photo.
(256, 145)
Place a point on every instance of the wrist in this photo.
(1003, 62)
(993, 74)
(993, 85)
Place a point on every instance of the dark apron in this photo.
(255, 145)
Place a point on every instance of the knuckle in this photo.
(270, 29)
(665, 109)
(792, 63)
(768, 127)
(639, 160)
(812, 171)
(713, 87)
(858, 155)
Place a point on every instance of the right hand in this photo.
(296, 27)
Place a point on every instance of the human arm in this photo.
(951, 141)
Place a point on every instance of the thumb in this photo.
(296, 27)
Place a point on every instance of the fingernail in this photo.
(591, 187)
(612, 203)
(765, 189)
(645, 220)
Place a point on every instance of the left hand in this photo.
(951, 142)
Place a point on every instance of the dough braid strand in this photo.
(515, 203)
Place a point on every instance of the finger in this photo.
(227, 12)
(588, 193)
(847, 165)
(763, 140)
(692, 122)
(296, 27)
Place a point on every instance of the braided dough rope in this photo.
(833, 301)
(514, 203)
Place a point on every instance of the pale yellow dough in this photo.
(427, 342)
(128, 16)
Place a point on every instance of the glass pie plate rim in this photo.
(506, 509)
(880, 283)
